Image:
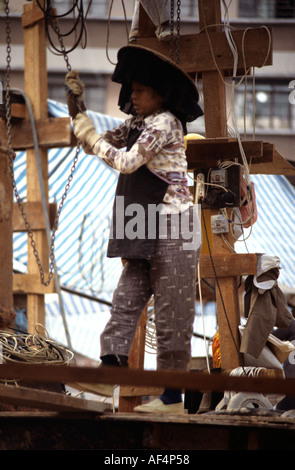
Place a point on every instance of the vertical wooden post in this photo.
(136, 361)
(36, 89)
(6, 199)
(227, 302)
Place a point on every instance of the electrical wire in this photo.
(51, 24)
(32, 348)
(218, 285)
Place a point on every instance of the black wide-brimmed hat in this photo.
(139, 64)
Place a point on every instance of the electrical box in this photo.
(219, 224)
(200, 187)
(222, 187)
(219, 177)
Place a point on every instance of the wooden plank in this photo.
(34, 212)
(127, 400)
(130, 391)
(31, 284)
(196, 55)
(18, 110)
(35, 51)
(32, 16)
(226, 265)
(41, 399)
(205, 153)
(171, 379)
(279, 166)
(7, 314)
(51, 132)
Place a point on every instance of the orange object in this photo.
(216, 351)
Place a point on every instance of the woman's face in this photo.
(145, 99)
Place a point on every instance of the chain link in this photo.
(178, 31)
(172, 30)
(172, 39)
(11, 159)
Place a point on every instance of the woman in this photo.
(160, 245)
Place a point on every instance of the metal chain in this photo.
(178, 31)
(11, 158)
(172, 30)
(62, 46)
(172, 46)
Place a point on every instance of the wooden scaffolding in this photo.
(205, 55)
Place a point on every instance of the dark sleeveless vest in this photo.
(140, 187)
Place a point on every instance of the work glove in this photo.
(74, 93)
(85, 131)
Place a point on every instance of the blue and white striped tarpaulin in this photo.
(273, 232)
(81, 238)
(82, 235)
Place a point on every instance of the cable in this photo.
(51, 18)
(32, 348)
(108, 29)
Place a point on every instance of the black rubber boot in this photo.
(114, 360)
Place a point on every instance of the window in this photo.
(188, 9)
(94, 93)
(273, 111)
(97, 7)
(267, 8)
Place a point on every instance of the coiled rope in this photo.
(32, 348)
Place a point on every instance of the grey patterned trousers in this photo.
(169, 275)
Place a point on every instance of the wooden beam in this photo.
(226, 265)
(227, 302)
(197, 50)
(269, 381)
(45, 400)
(278, 166)
(129, 398)
(34, 212)
(32, 16)
(127, 392)
(31, 284)
(6, 255)
(51, 133)
(206, 153)
(35, 49)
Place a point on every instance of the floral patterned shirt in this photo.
(160, 147)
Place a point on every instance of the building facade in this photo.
(265, 107)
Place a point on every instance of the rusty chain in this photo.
(172, 41)
(11, 159)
